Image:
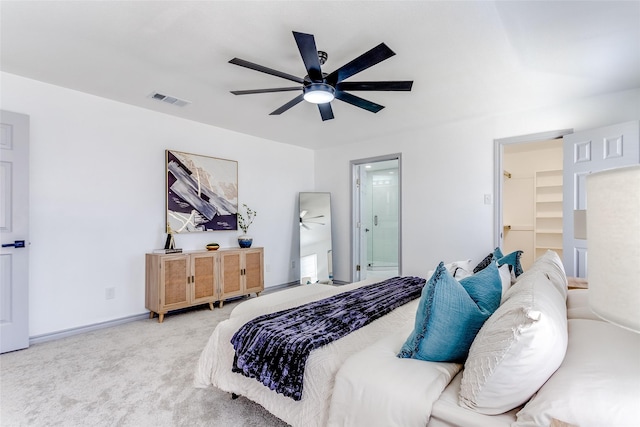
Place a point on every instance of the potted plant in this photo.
(244, 221)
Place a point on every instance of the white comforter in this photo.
(376, 388)
(316, 407)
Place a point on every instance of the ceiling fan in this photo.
(322, 88)
(304, 220)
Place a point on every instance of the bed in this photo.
(313, 409)
(540, 359)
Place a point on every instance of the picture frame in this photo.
(201, 193)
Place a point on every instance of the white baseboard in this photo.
(39, 339)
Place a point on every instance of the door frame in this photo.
(357, 248)
(498, 153)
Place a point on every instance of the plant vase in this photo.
(245, 241)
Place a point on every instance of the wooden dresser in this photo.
(175, 281)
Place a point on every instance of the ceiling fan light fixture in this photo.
(319, 93)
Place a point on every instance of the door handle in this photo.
(375, 220)
(15, 244)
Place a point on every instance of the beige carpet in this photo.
(136, 374)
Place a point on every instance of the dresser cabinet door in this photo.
(203, 277)
(174, 286)
(231, 275)
(253, 271)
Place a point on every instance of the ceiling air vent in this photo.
(169, 99)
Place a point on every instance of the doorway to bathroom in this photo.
(376, 223)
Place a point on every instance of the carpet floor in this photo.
(136, 374)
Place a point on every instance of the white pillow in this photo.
(598, 383)
(505, 278)
(551, 264)
(518, 347)
(458, 269)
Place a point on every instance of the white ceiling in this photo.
(467, 59)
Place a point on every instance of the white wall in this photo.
(446, 170)
(97, 199)
(97, 192)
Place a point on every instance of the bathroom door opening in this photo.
(377, 219)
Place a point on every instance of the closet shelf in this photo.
(548, 204)
(549, 215)
(555, 248)
(549, 231)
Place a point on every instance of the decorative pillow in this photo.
(551, 264)
(450, 313)
(484, 263)
(597, 383)
(498, 253)
(458, 269)
(518, 348)
(513, 260)
(505, 278)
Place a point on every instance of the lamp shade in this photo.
(613, 230)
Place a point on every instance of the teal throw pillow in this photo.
(450, 314)
(513, 259)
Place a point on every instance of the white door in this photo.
(14, 231)
(584, 153)
(359, 228)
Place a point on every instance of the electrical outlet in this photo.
(267, 268)
(487, 199)
(293, 264)
(110, 293)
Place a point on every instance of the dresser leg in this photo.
(221, 302)
(151, 314)
(210, 306)
(160, 317)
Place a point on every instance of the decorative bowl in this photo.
(212, 246)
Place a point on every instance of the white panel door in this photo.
(584, 153)
(14, 231)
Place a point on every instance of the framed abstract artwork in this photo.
(202, 193)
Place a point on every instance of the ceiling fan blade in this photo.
(404, 85)
(288, 105)
(364, 61)
(303, 213)
(277, 89)
(358, 102)
(307, 47)
(305, 226)
(267, 70)
(326, 112)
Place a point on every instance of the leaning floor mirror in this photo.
(316, 263)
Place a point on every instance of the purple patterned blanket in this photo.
(273, 348)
